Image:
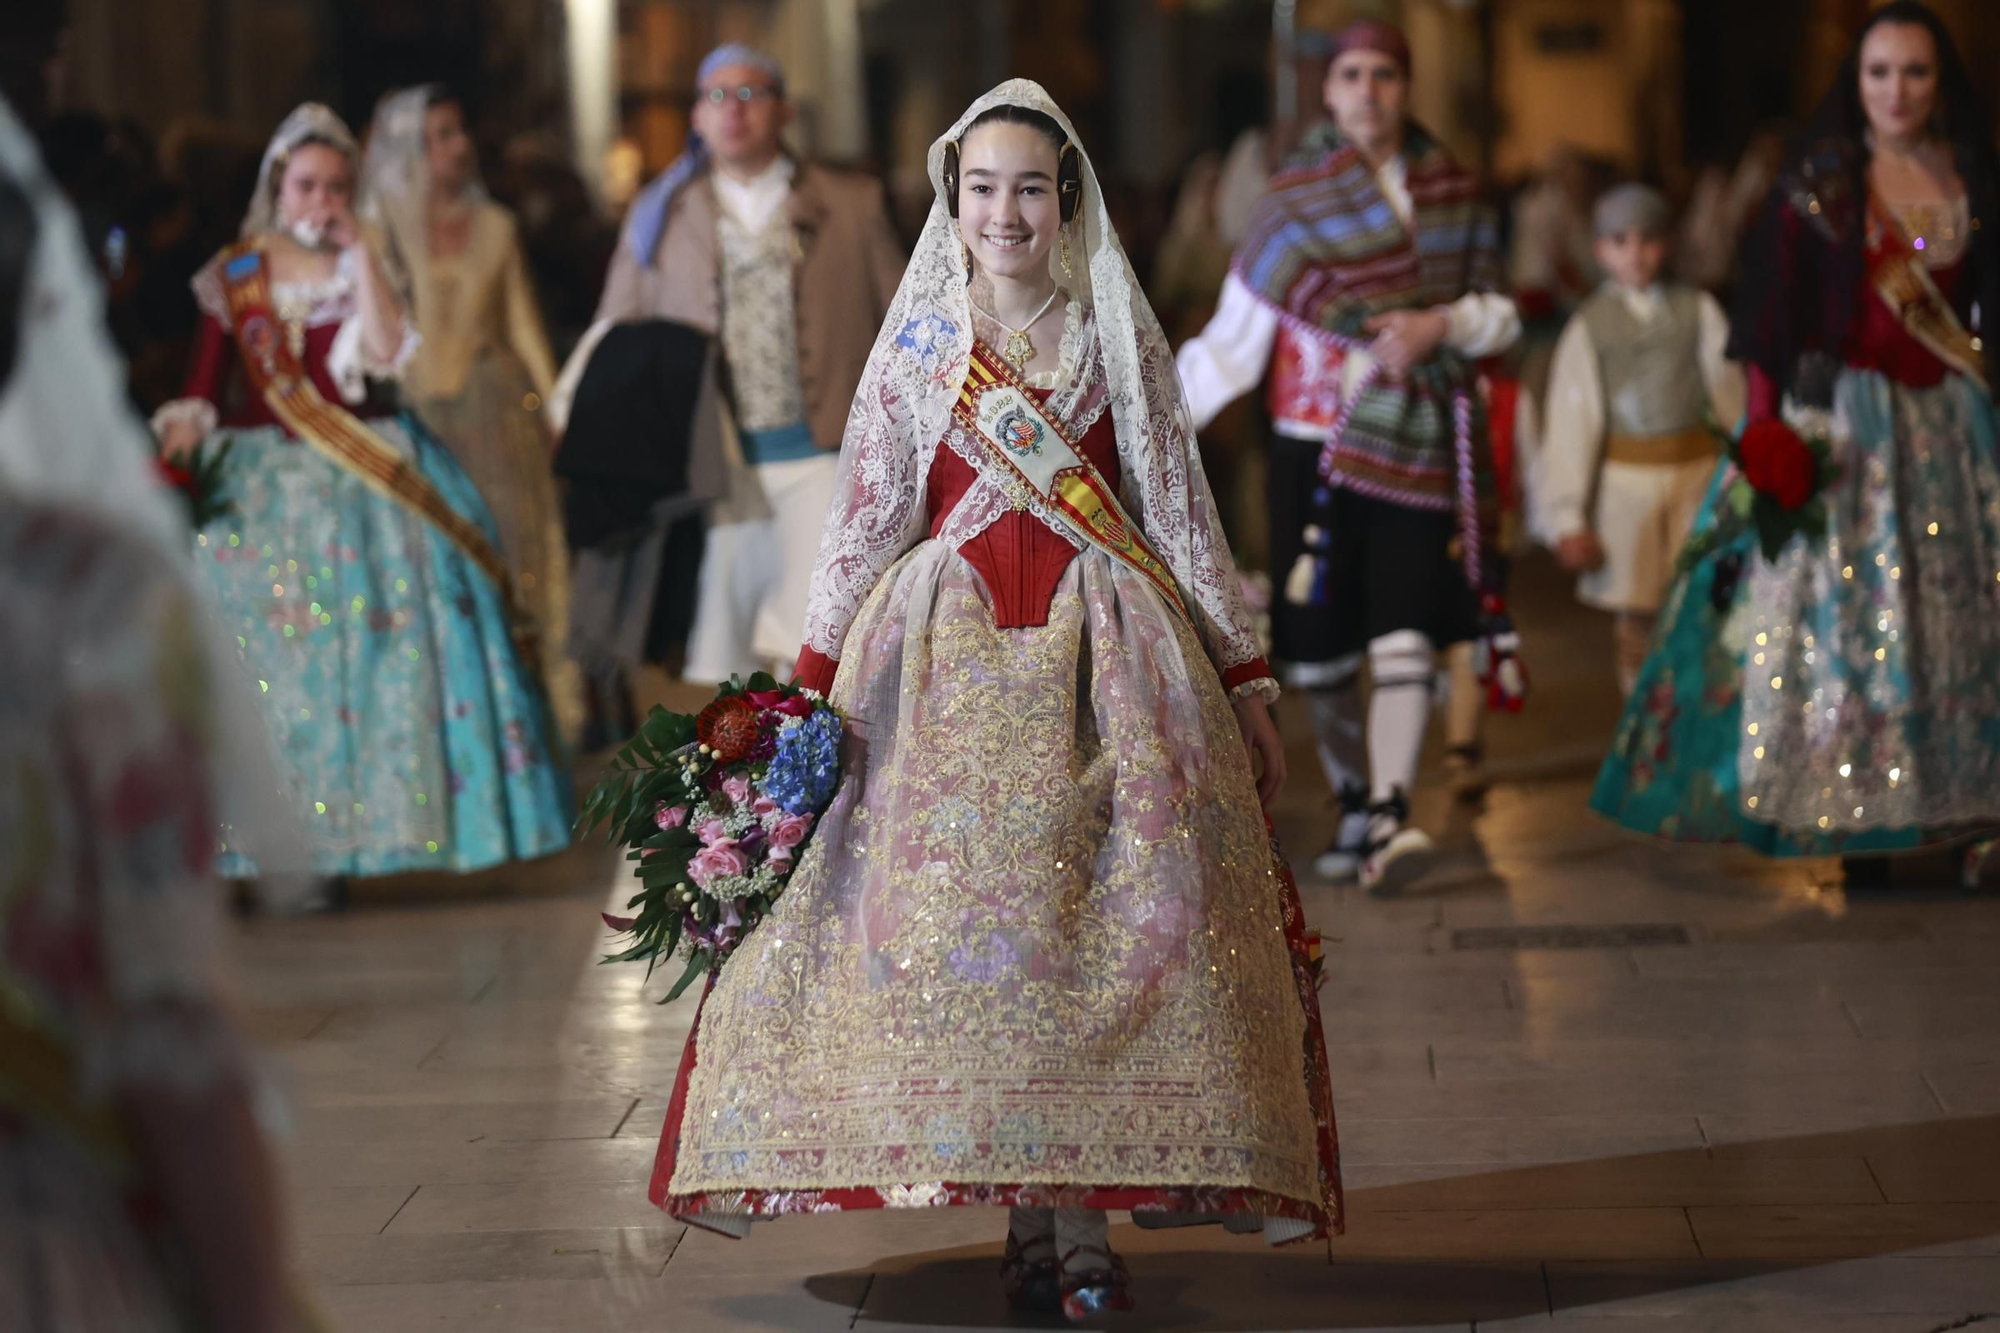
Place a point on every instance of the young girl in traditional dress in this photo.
(1041, 952)
(1845, 697)
(358, 567)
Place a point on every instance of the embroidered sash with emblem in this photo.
(1896, 270)
(1033, 454)
(281, 380)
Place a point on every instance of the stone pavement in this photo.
(1724, 1096)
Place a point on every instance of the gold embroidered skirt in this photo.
(1040, 949)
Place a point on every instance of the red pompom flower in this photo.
(729, 728)
(1778, 464)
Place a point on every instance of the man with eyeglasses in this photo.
(790, 266)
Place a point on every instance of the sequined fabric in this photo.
(1039, 946)
(1764, 714)
(411, 732)
(1872, 695)
(504, 448)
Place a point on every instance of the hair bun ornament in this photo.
(951, 176)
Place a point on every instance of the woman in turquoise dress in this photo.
(1844, 698)
(357, 564)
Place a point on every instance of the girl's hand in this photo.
(1260, 738)
(179, 439)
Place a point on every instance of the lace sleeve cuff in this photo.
(199, 411)
(351, 366)
(1252, 677)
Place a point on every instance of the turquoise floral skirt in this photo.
(1844, 699)
(413, 734)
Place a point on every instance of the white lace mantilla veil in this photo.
(309, 120)
(67, 438)
(395, 184)
(902, 410)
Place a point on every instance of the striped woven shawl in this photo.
(1328, 251)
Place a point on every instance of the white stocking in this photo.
(1402, 666)
(1031, 1227)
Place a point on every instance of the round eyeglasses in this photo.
(743, 92)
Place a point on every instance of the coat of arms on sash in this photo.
(1011, 421)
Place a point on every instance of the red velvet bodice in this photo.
(1018, 557)
(217, 376)
(1878, 341)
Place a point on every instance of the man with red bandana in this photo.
(1367, 288)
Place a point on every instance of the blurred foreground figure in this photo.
(1843, 694)
(138, 1193)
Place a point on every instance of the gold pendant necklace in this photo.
(1020, 348)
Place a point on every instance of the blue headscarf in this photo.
(648, 218)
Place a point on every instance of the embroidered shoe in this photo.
(1030, 1277)
(1396, 854)
(1088, 1292)
(1341, 861)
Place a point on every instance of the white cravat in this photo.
(751, 204)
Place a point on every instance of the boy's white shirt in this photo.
(1572, 443)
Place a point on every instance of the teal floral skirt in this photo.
(1844, 699)
(413, 734)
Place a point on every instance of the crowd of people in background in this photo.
(347, 337)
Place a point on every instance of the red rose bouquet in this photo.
(1776, 487)
(197, 477)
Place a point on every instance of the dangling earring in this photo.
(965, 252)
(1062, 253)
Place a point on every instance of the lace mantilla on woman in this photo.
(902, 410)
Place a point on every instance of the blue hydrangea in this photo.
(806, 768)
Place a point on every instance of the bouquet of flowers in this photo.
(716, 809)
(198, 478)
(1782, 470)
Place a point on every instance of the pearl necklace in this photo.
(1020, 348)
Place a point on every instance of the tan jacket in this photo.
(849, 265)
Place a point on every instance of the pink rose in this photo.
(763, 806)
(711, 831)
(789, 832)
(737, 789)
(670, 816)
(719, 861)
(779, 856)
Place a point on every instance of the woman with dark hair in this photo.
(1041, 952)
(1845, 696)
(484, 369)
